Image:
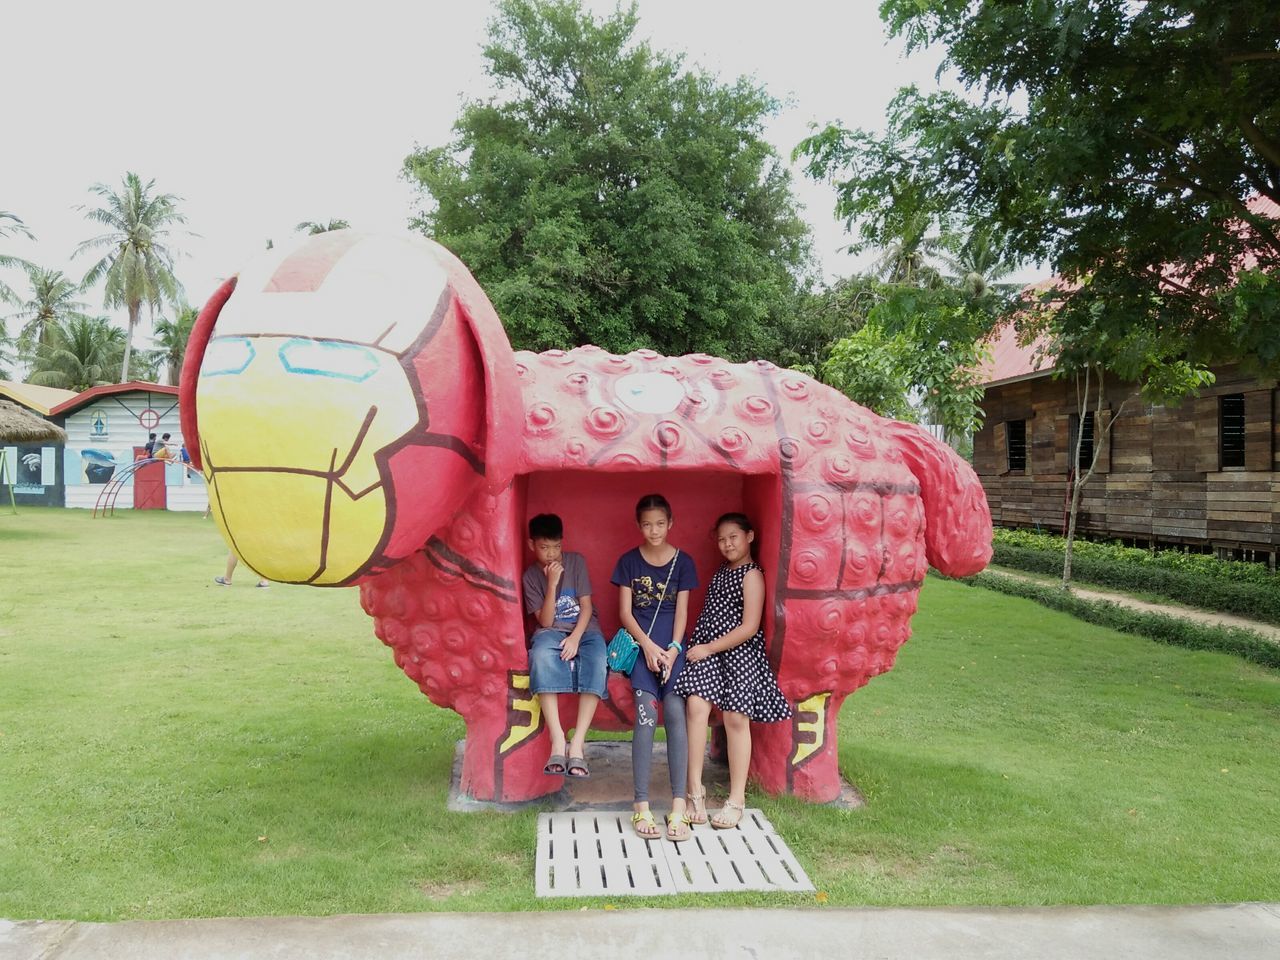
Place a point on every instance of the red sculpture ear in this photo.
(504, 400)
(191, 360)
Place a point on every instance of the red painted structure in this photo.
(148, 483)
(850, 508)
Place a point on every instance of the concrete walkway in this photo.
(1168, 608)
(1231, 932)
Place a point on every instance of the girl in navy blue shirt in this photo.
(654, 580)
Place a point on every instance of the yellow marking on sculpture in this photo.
(518, 733)
(810, 718)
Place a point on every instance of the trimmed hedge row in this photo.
(1260, 601)
(1202, 564)
(1160, 627)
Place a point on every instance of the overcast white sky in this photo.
(260, 115)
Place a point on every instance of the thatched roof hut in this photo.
(20, 426)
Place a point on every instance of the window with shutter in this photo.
(1086, 442)
(1016, 444)
(1231, 430)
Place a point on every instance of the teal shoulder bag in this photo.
(623, 648)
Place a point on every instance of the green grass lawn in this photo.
(169, 748)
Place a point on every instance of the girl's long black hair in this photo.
(652, 501)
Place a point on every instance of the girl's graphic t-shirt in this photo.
(648, 584)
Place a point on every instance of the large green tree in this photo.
(1132, 145)
(50, 298)
(80, 353)
(171, 339)
(609, 194)
(821, 317)
(138, 265)
(919, 355)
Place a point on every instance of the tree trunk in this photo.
(1076, 484)
(134, 310)
(1101, 436)
(1073, 475)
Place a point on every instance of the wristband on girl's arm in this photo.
(675, 645)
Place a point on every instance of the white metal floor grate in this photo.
(598, 854)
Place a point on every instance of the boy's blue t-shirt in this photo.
(574, 583)
(647, 583)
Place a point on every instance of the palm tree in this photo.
(138, 266)
(907, 262)
(80, 353)
(14, 225)
(977, 262)
(11, 224)
(51, 299)
(171, 339)
(8, 352)
(312, 228)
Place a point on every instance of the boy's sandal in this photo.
(697, 814)
(678, 827)
(556, 765)
(577, 769)
(645, 826)
(730, 816)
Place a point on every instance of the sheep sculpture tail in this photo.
(957, 518)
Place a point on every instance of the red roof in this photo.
(93, 393)
(1010, 361)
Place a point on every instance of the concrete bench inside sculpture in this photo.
(362, 419)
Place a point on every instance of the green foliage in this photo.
(1118, 142)
(171, 339)
(1258, 601)
(609, 195)
(51, 298)
(79, 353)
(8, 352)
(138, 266)
(313, 227)
(873, 368)
(805, 336)
(918, 344)
(10, 225)
(1160, 627)
(1227, 586)
(1198, 564)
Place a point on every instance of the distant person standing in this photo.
(225, 579)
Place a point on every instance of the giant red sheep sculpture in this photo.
(362, 419)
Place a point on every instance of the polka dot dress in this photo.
(738, 680)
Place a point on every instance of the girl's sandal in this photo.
(677, 828)
(645, 826)
(729, 816)
(697, 814)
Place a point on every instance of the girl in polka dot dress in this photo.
(727, 667)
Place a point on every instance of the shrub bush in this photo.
(1160, 627)
(1200, 563)
(1186, 578)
